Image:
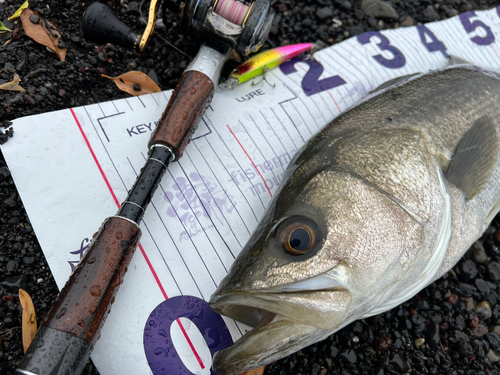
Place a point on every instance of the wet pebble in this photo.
(324, 13)
(482, 286)
(493, 269)
(484, 309)
(468, 270)
(356, 30)
(29, 99)
(479, 331)
(465, 349)
(433, 337)
(493, 357)
(419, 342)
(379, 9)
(477, 253)
(384, 343)
(408, 21)
(430, 14)
(8, 67)
(349, 355)
(398, 363)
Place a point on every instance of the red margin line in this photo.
(334, 101)
(246, 153)
(494, 51)
(190, 344)
(329, 92)
(140, 245)
(95, 158)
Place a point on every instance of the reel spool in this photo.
(241, 26)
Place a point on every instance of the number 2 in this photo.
(311, 84)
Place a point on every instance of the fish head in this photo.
(325, 250)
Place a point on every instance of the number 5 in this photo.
(471, 26)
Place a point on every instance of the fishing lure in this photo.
(257, 65)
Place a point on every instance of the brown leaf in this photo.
(29, 318)
(13, 86)
(135, 83)
(257, 371)
(42, 31)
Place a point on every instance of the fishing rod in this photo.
(68, 333)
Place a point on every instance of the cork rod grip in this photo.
(85, 301)
(184, 111)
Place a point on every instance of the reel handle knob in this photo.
(100, 25)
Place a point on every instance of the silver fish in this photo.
(384, 200)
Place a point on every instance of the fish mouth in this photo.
(284, 322)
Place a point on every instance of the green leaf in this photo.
(20, 10)
(3, 28)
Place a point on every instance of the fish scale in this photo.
(391, 194)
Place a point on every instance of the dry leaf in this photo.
(29, 318)
(19, 11)
(13, 86)
(42, 31)
(135, 83)
(257, 371)
(7, 42)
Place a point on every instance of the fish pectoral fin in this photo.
(475, 157)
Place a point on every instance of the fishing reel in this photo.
(242, 26)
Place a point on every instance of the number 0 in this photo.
(160, 351)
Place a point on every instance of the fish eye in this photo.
(297, 235)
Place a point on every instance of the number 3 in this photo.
(397, 62)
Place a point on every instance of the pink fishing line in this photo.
(232, 10)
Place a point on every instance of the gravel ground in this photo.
(451, 327)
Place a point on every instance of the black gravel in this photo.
(451, 327)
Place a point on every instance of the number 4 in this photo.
(430, 41)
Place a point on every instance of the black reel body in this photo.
(225, 23)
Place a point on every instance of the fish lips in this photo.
(284, 322)
(264, 345)
(322, 309)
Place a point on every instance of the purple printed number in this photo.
(472, 26)
(160, 351)
(311, 84)
(398, 60)
(430, 41)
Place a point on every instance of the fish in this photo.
(257, 64)
(380, 203)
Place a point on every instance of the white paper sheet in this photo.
(73, 167)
